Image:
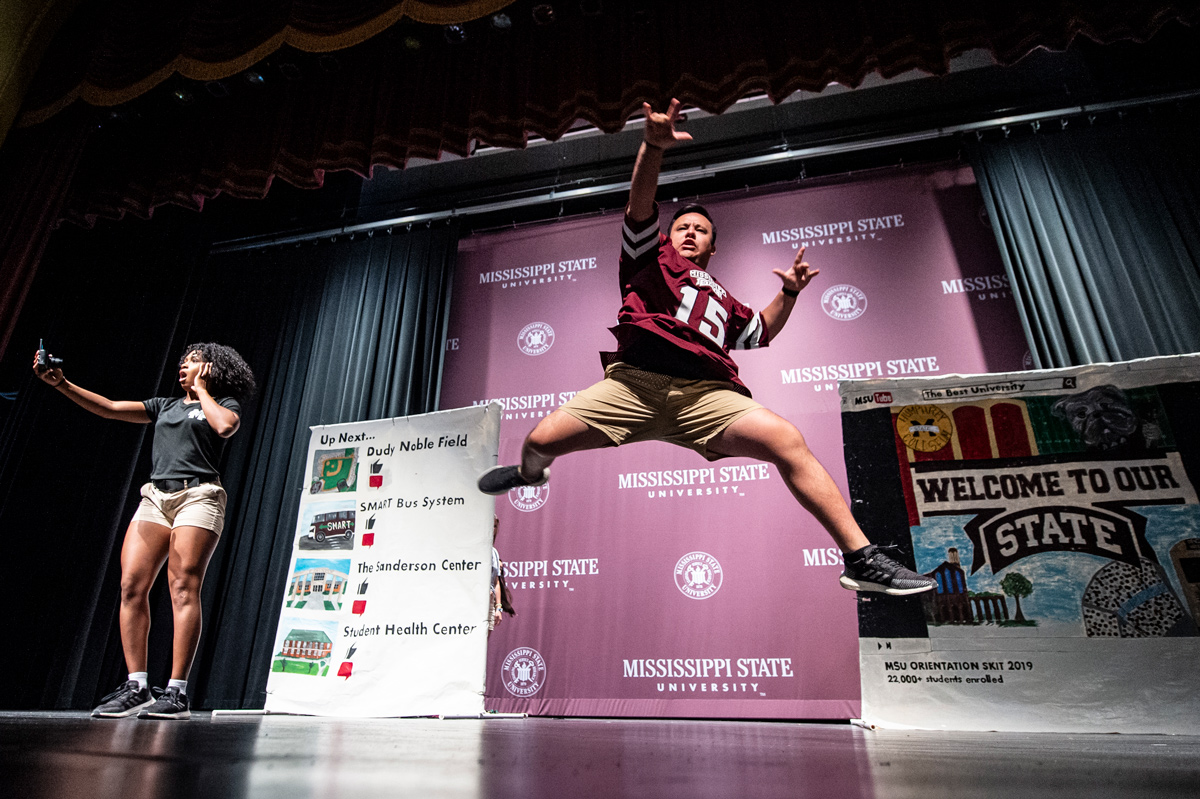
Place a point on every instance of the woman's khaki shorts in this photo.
(631, 405)
(199, 506)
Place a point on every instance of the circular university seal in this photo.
(698, 575)
(524, 672)
(529, 498)
(844, 302)
(924, 428)
(535, 338)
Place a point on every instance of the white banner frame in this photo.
(384, 611)
(982, 675)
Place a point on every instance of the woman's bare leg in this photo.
(191, 549)
(142, 556)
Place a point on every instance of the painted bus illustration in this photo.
(336, 524)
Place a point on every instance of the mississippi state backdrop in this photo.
(647, 580)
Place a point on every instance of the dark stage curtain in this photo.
(36, 169)
(335, 332)
(1099, 229)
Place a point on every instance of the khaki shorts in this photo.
(199, 506)
(631, 405)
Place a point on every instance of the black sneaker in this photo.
(127, 700)
(879, 572)
(170, 704)
(502, 479)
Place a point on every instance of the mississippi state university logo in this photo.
(529, 498)
(844, 302)
(698, 575)
(924, 428)
(524, 672)
(535, 338)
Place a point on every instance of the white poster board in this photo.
(384, 612)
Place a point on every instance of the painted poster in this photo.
(1057, 511)
(385, 606)
(647, 580)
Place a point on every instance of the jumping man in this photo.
(671, 377)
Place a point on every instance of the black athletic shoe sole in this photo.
(181, 716)
(122, 714)
(507, 485)
(852, 584)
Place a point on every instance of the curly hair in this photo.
(229, 375)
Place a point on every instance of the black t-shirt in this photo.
(185, 445)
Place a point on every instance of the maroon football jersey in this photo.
(676, 319)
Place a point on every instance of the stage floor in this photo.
(65, 755)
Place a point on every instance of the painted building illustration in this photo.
(952, 603)
(319, 585)
(307, 645)
(318, 580)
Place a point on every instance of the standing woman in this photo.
(180, 517)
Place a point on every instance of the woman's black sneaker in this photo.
(171, 704)
(502, 479)
(127, 700)
(875, 571)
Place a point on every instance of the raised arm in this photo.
(120, 410)
(223, 421)
(794, 278)
(658, 135)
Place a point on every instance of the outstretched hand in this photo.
(660, 129)
(798, 275)
(51, 377)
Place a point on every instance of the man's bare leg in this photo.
(558, 434)
(766, 436)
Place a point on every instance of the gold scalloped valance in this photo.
(116, 53)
